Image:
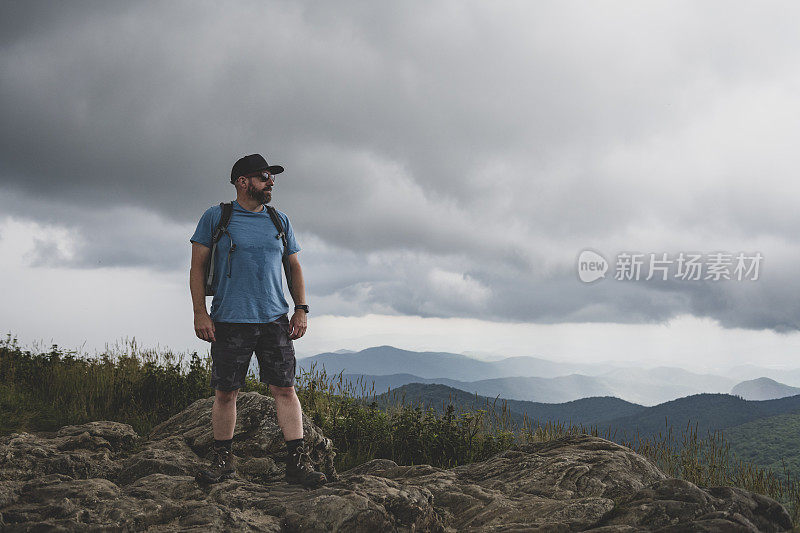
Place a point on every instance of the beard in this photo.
(260, 196)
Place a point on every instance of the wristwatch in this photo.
(303, 307)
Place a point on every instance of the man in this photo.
(249, 313)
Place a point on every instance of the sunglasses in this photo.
(263, 176)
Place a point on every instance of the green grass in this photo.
(42, 391)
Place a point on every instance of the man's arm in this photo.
(299, 322)
(203, 325)
(298, 288)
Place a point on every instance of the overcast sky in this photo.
(446, 163)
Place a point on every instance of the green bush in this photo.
(44, 391)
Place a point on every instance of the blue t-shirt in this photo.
(247, 285)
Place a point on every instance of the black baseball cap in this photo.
(250, 164)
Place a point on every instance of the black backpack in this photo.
(222, 229)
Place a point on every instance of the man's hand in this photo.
(204, 327)
(298, 325)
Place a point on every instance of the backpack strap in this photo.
(224, 220)
(219, 231)
(273, 214)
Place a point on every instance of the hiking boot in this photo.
(300, 469)
(223, 466)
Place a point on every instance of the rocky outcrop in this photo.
(102, 476)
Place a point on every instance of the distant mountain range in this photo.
(556, 390)
(708, 412)
(705, 412)
(788, 376)
(584, 411)
(530, 378)
(763, 389)
(385, 360)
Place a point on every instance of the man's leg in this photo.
(290, 419)
(223, 421)
(290, 414)
(277, 365)
(223, 414)
(230, 359)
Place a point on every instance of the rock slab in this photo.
(102, 476)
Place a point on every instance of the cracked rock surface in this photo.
(102, 476)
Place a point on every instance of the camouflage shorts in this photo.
(234, 346)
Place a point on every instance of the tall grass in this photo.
(42, 391)
(46, 390)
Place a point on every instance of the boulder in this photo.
(103, 476)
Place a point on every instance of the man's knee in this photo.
(226, 396)
(283, 392)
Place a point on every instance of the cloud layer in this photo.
(443, 159)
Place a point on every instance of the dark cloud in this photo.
(442, 159)
(100, 236)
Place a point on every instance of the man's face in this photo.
(258, 190)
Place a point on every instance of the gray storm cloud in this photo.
(443, 159)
